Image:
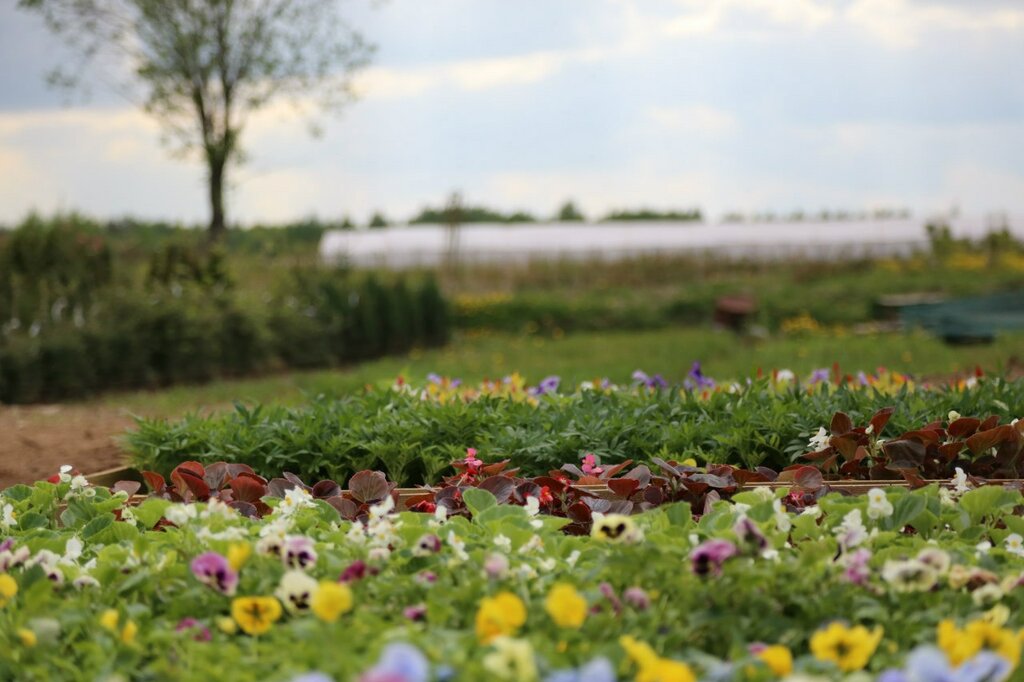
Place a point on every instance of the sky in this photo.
(726, 105)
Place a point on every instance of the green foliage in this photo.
(409, 437)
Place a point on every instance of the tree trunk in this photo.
(217, 225)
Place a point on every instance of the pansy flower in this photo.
(255, 615)
(214, 570)
(298, 552)
(296, 590)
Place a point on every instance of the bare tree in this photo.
(201, 67)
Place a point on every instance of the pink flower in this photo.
(857, 571)
(214, 570)
(590, 465)
(709, 556)
(637, 598)
(201, 632)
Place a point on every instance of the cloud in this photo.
(902, 24)
(697, 119)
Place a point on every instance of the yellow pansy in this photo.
(999, 640)
(227, 625)
(957, 644)
(330, 600)
(255, 615)
(8, 588)
(238, 554)
(849, 648)
(109, 619)
(499, 615)
(129, 632)
(778, 658)
(653, 668)
(566, 606)
(28, 637)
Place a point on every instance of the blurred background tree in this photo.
(202, 67)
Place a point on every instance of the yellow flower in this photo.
(255, 615)
(957, 644)
(129, 632)
(994, 638)
(8, 588)
(653, 668)
(512, 659)
(238, 554)
(330, 600)
(616, 528)
(109, 619)
(499, 615)
(227, 625)
(849, 648)
(27, 637)
(778, 658)
(566, 606)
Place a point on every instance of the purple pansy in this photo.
(709, 556)
(214, 570)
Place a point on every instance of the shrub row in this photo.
(414, 439)
(179, 334)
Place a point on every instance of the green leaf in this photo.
(32, 520)
(478, 500)
(151, 511)
(96, 525)
(18, 493)
(905, 510)
(987, 500)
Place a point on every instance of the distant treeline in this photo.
(823, 215)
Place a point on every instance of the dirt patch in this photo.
(36, 440)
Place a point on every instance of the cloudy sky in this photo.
(729, 105)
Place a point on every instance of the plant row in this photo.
(414, 434)
(906, 584)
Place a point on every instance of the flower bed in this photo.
(414, 433)
(899, 581)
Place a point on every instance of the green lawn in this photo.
(593, 355)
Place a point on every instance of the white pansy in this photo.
(296, 590)
(851, 531)
(879, 506)
(781, 516)
(7, 516)
(180, 514)
(987, 594)
(1014, 544)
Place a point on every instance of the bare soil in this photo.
(36, 440)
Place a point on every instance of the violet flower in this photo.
(637, 598)
(695, 379)
(750, 535)
(201, 633)
(857, 571)
(709, 556)
(353, 572)
(298, 552)
(214, 570)
(819, 375)
(597, 670)
(399, 662)
(416, 612)
(547, 385)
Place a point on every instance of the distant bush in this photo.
(467, 215)
(692, 215)
(71, 327)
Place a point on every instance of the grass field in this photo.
(584, 356)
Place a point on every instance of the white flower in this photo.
(65, 473)
(72, 550)
(85, 580)
(503, 543)
(534, 544)
(814, 511)
(547, 565)
(879, 506)
(782, 522)
(784, 375)
(382, 508)
(870, 429)
(818, 441)
(295, 591)
(458, 546)
(1014, 544)
(294, 499)
(953, 415)
(7, 516)
(771, 554)
(573, 557)
(215, 508)
(440, 516)
(532, 505)
(851, 531)
(910, 575)
(946, 497)
(960, 484)
(987, 594)
(982, 548)
(180, 514)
